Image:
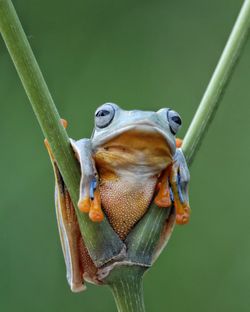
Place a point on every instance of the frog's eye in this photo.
(104, 115)
(174, 120)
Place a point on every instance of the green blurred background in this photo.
(143, 55)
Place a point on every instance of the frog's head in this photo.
(111, 122)
(131, 149)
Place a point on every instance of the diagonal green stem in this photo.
(217, 84)
(102, 242)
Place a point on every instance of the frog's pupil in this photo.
(176, 119)
(102, 113)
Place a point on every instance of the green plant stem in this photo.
(217, 84)
(126, 284)
(97, 236)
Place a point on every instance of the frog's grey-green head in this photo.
(111, 121)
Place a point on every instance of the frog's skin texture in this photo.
(131, 160)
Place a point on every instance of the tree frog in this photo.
(130, 161)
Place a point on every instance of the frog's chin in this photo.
(145, 128)
(142, 151)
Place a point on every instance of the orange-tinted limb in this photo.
(163, 198)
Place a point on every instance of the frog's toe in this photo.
(95, 212)
(183, 217)
(84, 204)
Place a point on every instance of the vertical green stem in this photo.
(126, 285)
(217, 84)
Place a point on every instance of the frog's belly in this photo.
(125, 201)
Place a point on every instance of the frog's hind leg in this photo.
(70, 236)
(69, 231)
(89, 195)
(77, 260)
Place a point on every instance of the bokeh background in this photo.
(143, 55)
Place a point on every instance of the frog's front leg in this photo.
(173, 188)
(89, 195)
(179, 179)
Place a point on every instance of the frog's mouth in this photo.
(144, 131)
(141, 146)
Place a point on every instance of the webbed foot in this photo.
(90, 199)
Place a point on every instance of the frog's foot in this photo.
(89, 195)
(90, 199)
(179, 178)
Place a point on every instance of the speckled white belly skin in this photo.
(126, 200)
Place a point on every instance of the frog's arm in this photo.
(173, 186)
(89, 194)
(179, 179)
